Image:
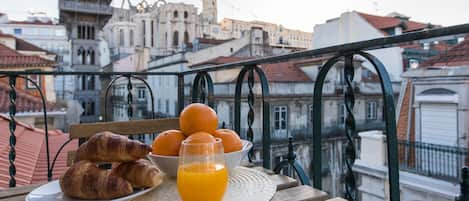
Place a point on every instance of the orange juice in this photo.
(202, 181)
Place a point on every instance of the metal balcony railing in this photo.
(85, 7)
(203, 92)
(434, 160)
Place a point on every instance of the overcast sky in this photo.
(296, 14)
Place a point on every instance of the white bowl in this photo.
(169, 164)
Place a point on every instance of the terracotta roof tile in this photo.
(12, 58)
(220, 60)
(27, 46)
(455, 56)
(284, 72)
(25, 102)
(384, 22)
(277, 72)
(212, 41)
(30, 162)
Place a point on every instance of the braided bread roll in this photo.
(109, 147)
(84, 180)
(141, 173)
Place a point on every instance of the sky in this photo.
(294, 14)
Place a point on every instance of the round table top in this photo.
(244, 184)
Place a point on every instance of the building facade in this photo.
(43, 32)
(168, 28)
(83, 20)
(278, 35)
(356, 26)
(291, 87)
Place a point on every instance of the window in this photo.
(152, 34)
(82, 55)
(35, 78)
(79, 33)
(280, 117)
(186, 14)
(18, 31)
(167, 106)
(141, 93)
(131, 38)
(88, 108)
(342, 114)
(413, 63)
(186, 37)
(143, 32)
(371, 112)
(175, 14)
(92, 33)
(159, 105)
(176, 39)
(121, 38)
(90, 56)
(87, 82)
(280, 40)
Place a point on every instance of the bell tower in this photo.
(209, 11)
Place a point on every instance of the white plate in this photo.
(52, 192)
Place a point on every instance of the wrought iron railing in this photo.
(203, 92)
(440, 161)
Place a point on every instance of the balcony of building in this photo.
(98, 7)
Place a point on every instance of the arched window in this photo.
(186, 37)
(175, 14)
(121, 38)
(280, 40)
(186, 14)
(166, 39)
(131, 37)
(82, 55)
(176, 39)
(90, 56)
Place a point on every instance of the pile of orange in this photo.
(198, 124)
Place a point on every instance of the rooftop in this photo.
(456, 56)
(12, 58)
(31, 163)
(386, 22)
(25, 102)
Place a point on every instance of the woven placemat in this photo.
(244, 184)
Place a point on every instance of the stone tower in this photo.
(83, 20)
(210, 11)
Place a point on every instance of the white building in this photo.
(355, 26)
(43, 32)
(168, 28)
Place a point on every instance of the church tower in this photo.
(209, 11)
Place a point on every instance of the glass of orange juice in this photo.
(202, 175)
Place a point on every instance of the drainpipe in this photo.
(409, 120)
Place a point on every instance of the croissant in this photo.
(109, 147)
(84, 180)
(141, 173)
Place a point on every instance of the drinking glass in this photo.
(202, 175)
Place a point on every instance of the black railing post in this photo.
(350, 132)
(202, 89)
(464, 196)
(12, 126)
(180, 93)
(130, 110)
(265, 109)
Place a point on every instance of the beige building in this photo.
(279, 35)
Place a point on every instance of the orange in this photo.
(168, 143)
(200, 137)
(230, 139)
(198, 117)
